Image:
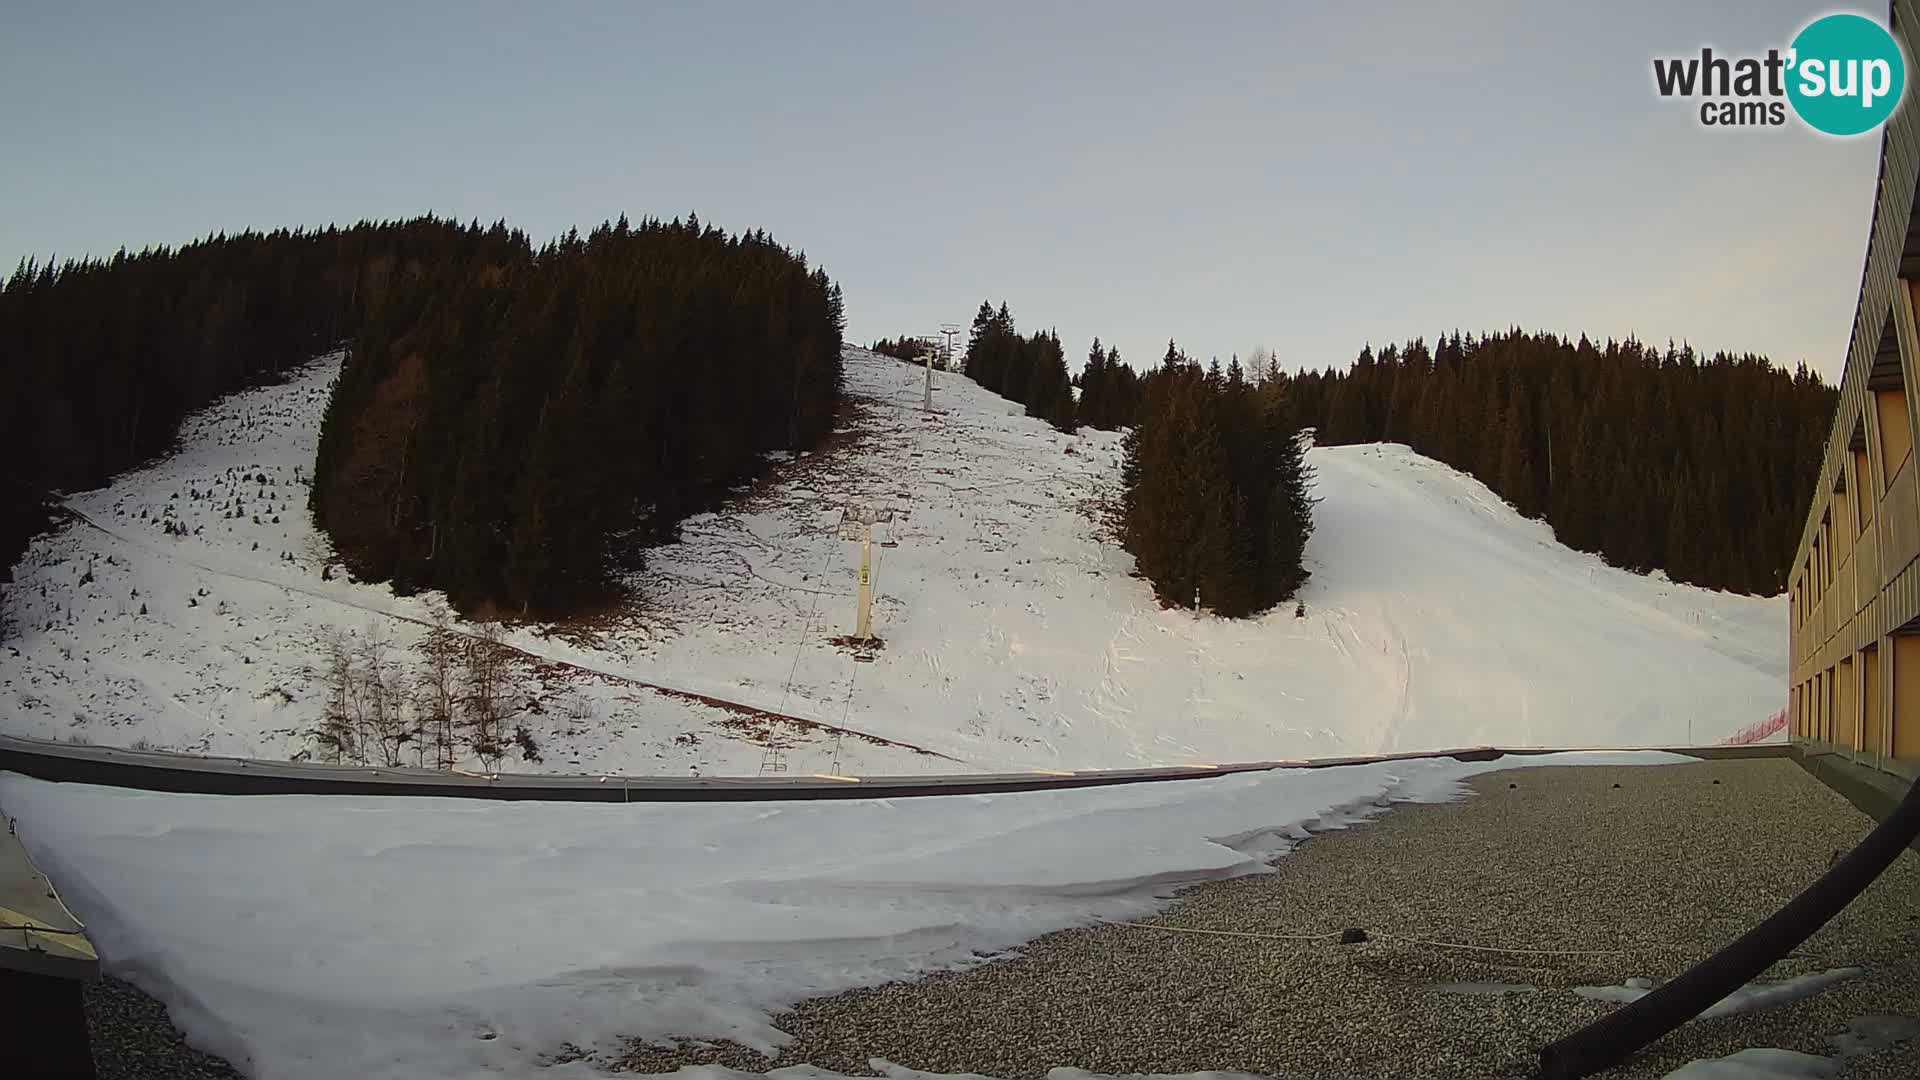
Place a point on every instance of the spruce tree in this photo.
(1122, 405)
(1215, 503)
(1093, 410)
(1572, 430)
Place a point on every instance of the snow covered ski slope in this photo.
(185, 606)
(1016, 635)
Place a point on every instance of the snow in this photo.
(1752, 996)
(1864, 1035)
(1016, 637)
(1870, 1034)
(315, 936)
(1758, 1064)
(226, 658)
(1015, 634)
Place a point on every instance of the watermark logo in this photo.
(1843, 74)
(1849, 74)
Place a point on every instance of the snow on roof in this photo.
(319, 937)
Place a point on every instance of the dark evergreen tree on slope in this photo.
(1049, 392)
(101, 358)
(1651, 457)
(526, 428)
(1029, 370)
(1215, 507)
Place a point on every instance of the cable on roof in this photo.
(32, 929)
(1230, 933)
(1378, 936)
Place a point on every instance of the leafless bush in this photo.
(523, 738)
(383, 689)
(378, 706)
(339, 736)
(575, 706)
(435, 691)
(484, 662)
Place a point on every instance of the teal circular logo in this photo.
(1845, 74)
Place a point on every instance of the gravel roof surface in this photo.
(133, 1039)
(1649, 868)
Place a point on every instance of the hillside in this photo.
(1698, 465)
(1015, 635)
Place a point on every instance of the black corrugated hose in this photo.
(1618, 1035)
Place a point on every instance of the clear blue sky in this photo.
(1301, 176)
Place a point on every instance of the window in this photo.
(1889, 386)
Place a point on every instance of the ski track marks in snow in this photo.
(1437, 616)
(1015, 634)
(225, 658)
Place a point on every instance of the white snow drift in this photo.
(1015, 635)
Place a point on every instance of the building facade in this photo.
(1854, 589)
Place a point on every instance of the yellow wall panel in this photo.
(1846, 728)
(1896, 438)
(1905, 736)
(1870, 733)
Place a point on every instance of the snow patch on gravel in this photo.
(1752, 996)
(1758, 1064)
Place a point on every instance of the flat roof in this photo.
(1495, 924)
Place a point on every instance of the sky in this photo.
(1300, 177)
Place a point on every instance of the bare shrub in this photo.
(435, 693)
(384, 697)
(529, 749)
(575, 707)
(338, 735)
(484, 673)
